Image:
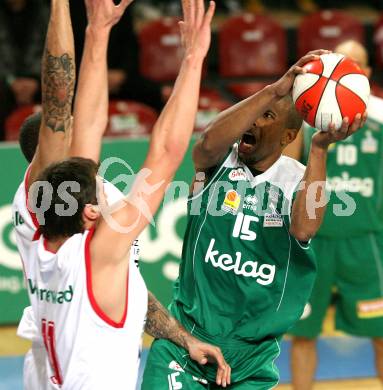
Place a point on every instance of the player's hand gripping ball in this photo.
(334, 87)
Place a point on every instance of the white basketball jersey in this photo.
(77, 346)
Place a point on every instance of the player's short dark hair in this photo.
(76, 169)
(294, 119)
(29, 135)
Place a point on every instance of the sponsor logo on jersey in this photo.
(231, 202)
(237, 175)
(272, 220)
(363, 186)
(135, 253)
(51, 296)
(369, 143)
(262, 273)
(370, 309)
(250, 202)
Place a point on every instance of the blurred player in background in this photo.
(349, 249)
(72, 298)
(247, 269)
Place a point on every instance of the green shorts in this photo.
(354, 266)
(169, 367)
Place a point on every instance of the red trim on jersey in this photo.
(45, 243)
(96, 308)
(31, 213)
(52, 348)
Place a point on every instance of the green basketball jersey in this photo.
(354, 178)
(243, 277)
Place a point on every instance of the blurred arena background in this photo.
(253, 43)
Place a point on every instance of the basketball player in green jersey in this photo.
(349, 244)
(247, 269)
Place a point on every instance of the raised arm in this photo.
(310, 204)
(230, 124)
(91, 102)
(160, 324)
(57, 78)
(169, 142)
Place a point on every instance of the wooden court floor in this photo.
(11, 345)
(360, 384)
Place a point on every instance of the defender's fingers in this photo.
(216, 353)
(181, 25)
(123, 4)
(188, 9)
(209, 14)
(221, 378)
(228, 375)
(199, 12)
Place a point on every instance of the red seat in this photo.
(160, 49)
(252, 45)
(210, 104)
(208, 108)
(204, 91)
(326, 29)
(16, 118)
(130, 119)
(376, 90)
(378, 40)
(244, 90)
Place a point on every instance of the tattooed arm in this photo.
(160, 324)
(58, 79)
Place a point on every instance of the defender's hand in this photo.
(283, 86)
(322, 139)
(204, 353)
(104, 14)
(196, 27)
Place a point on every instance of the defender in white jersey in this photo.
(32, 327)
(87, 297)
(71, 301)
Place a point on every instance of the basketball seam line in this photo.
(347, 74)
(324, 88)
(356, 95)
(319, 77)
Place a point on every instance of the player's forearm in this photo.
(310, 204)
(230, 124)
(57, 86)
(161, 325)
(91, 102)
(58, 70)
(172, 132)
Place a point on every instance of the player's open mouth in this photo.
(248, 142)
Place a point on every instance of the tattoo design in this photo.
(161, 325)
(58, 76)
